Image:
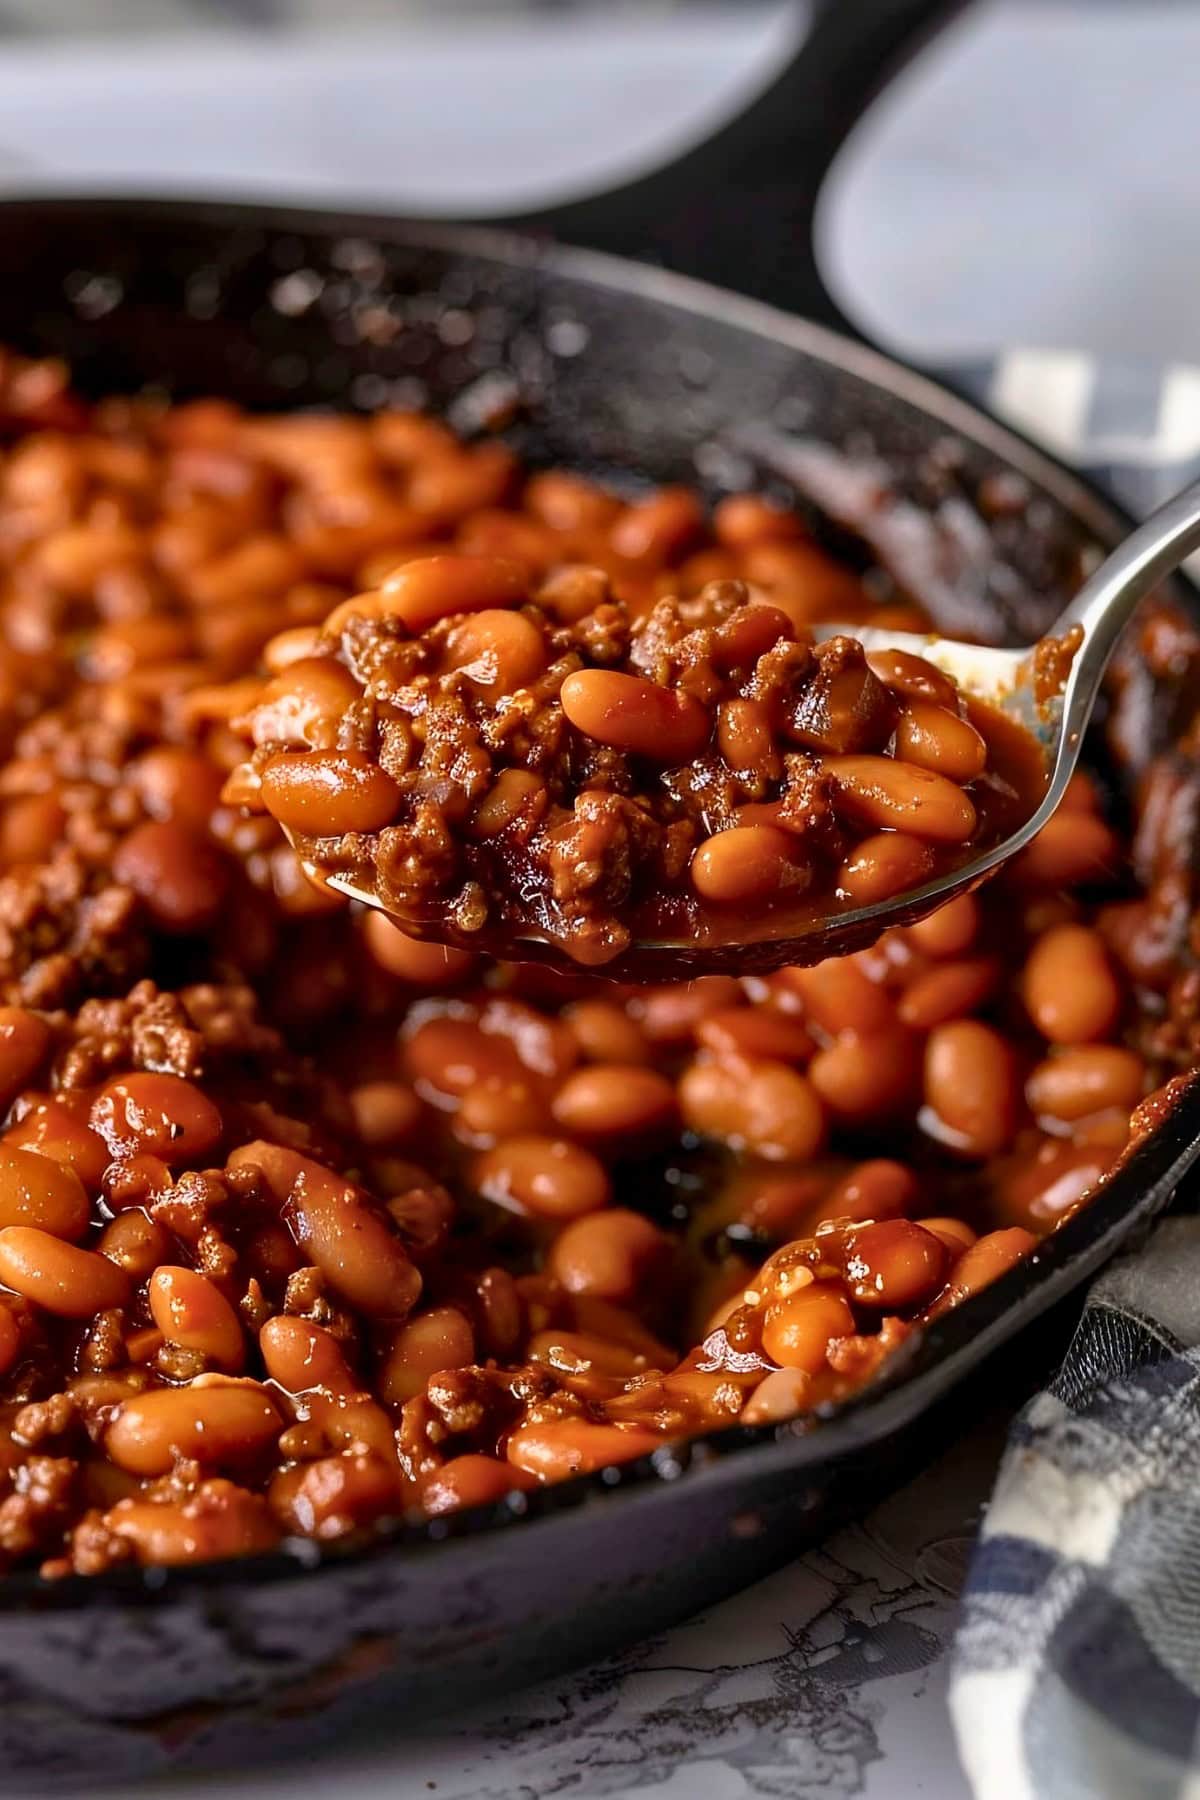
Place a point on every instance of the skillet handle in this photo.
(738, 209)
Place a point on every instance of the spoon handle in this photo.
(1105, 603)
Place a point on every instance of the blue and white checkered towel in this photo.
(1076, 1672)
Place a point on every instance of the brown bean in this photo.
(885, 864)
(779, 1396)
(440, 1338)
(324, 793)
(434, 587)
(1069, 986)
(934, 737)
(387, 1114)
(954, 1233)
(452, 1056)
(54, 1127)
(883, 794)
(876, 1189)
(748, 864)
(839, 997)
(301, 1357)
(1086, 1079)
(471, 1480)
(755, 1032)
(179, 876)
(763, 1107)
(864, 1078)
(656, 529)
(972, 1086)
(332, 1222)
(25, 1041)
(742, 519)
(550, 1178)
(37, 1190)
(219, 1426)
(59, 1277)
(192, 1311)
(497, 652)
(913, 676)
(136, 1243)
(797, 1331)
(744, 735)
(162, 1114)
(607, 1255)
(893, 1264)
(565, 1447)
(1071, 849)
(305, 703)
(984, 1262)
(175, 783)
(950, 931)
(607, 1103)
(333, 1495)
(949, 991)
(669, 1015)
(605, 1032)
(635, 715)
(219, 1520)
(410, 959)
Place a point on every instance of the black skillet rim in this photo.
(930, 1363)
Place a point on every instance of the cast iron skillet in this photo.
(614, 368)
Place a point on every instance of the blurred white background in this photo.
(1030, 181)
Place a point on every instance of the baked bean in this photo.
(763, 1107)
(934, 737)
(410, 959)
(37, 1190)
(636, 715)
(604, 1104)
(332, 1495)
(432, 587)
(497, 652)
(883, 794)
(913, 676)
(55, 1128)
(294, 645)
(950, 931)
(441, 1338)
(470, 1480)
(59, 1277)
(162, 1114)
(779, 1396)
(743, 519)
(607, 1255)
(669, 1015)
(387, 1114)
(179, 876)
(888, 863)
(189, 1310)
(754, 1033)
(893, 1264)
(515, 795)
(565, 1447)
(327, 792)
(30, 827)
(605, 1033)
(499, 1107)
(453, 1056)
(219, 1520)
(839, 997)
(982, 1263)
(657, 528)
(950, 990)
(136, 1243)
(1069, 986)
(954, 1233)
(747, 864)
(1086, 1079)
(174, 783)
(550, 1178)
(221, 1426)
(798, 1330)
(861, 1079)
(331, 1221)
(972, 1086)
(305, 703)
(744, 735)
(1072, 848)
(301, 1356)
(877, 1189)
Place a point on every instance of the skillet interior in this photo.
(625, 372)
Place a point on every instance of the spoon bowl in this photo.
(1049, 690)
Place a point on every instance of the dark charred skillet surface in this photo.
(612, 369)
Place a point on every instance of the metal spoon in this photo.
(1099, 613)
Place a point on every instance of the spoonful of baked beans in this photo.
(528, 768)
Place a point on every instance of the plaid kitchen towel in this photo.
(1076, 1669)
